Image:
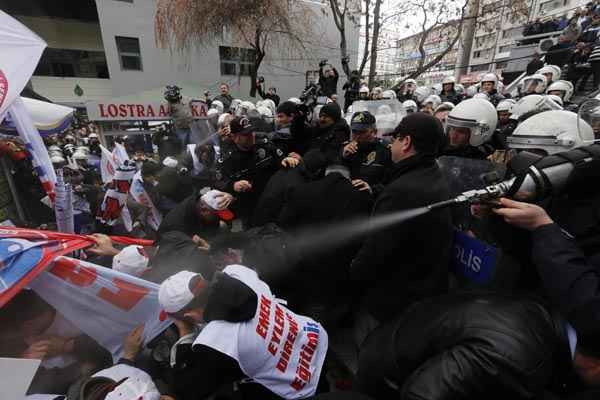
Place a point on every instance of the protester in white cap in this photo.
(248, 334)
(132, 260)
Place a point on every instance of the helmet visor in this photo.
(589, 112)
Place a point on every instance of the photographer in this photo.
(328, 79)
(271, 92)
(352, 88)
(180, 111)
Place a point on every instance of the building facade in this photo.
(99, 49)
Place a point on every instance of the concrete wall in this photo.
(65, 33)
(62, 90)
(202, 67)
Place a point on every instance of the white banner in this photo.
(105, 304)
(21, 50)
(139, 194)
(115, 110)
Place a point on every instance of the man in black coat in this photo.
(331, 134)
(328, 79)
(468, 346)
(534, 64)
(409, 261)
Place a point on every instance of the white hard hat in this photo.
(476, 114)
(410, 105)
(218, 105)
(506, 105)
(132, 260)
(448, 79)
(539, 78)
(296, 100)
(421, 93)
(389, 94)
(490, 77)
(434, 99)
(550, 69)
(529, 105)
(363, 89)
(556, 99)
(565, 87)
(552, 131)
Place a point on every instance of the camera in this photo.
(322, 63)
(261, 79)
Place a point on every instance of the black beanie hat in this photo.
(287, 107)
(425, 131)
(332, 110)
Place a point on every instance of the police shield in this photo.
(388, 113)
(463, 174)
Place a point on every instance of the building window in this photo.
(511, 33)
(505, 48)
(129, 53)
(72, 63)
(552, 5)
(482, 53)
(481, 67)
(236, 61)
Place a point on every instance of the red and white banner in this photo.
(104, 304)
(114, 110)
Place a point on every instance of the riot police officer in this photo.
(245, 168)
(367, 157)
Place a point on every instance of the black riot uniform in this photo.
(372, 159)
(255, 165)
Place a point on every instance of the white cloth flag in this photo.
(105, 304)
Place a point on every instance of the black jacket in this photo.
(268, 96)
(533, 66)
(256, 166)
(466, 346)
(407, 261)
(370, 163)
(183, 219)
(451, 96)
(328, 84)
(226, 100)
(330, 140)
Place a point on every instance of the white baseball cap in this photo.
(210, 198)
(174, 293)
(132, 260)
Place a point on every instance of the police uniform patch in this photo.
(261, 153)
(370, 158)
(279, 152)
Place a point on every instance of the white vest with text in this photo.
(277, 348)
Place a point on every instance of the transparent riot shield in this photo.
(388, 113)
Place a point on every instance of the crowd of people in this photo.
(313, 204)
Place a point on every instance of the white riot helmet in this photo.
(564, 87)
(506, 105)
(448, 79)
(556, 99)
(490, 77)
(448, 104)
(476, 114)
(244, 108)
(217, 105)
(434, 99)
(235, 104)
(295, 100)
(57, 159)
(482, 96)
(552, 131)
(264, 111)
(410, 106)
(538, 79)
(532, 104)
(212, 113)
(589, 112)
(472, 91)
(389, 94)
(410, 82)
(421, 93)
(79, 155)
(271, 105)
(459, 88)
(363, 89)
(54, 148)
(377, 92)
(552, 70)
(222, 118)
